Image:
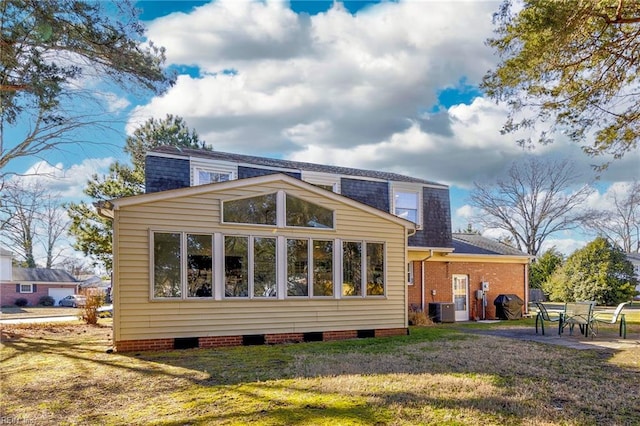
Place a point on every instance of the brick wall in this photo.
(503, 278)
(226, 341)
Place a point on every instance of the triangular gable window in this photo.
(301, 213)
(260, 210)
(277, 209)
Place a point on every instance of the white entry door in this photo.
(461, 297)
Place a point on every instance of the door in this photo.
(461, 297)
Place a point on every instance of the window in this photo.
(406, 205)
(250, 266)
(353, 254)
(26, 288)
(297, 267)
(410, 273)
(305, 214)
(177, 274)
(236, 266)
(322, 268)
(166, 265)
(259, 210)
(351, 268)
(264, 267)
(277, 209)
(199, 266)
(207, 176)
(375, 269)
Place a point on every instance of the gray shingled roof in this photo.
(477, 244)
(42, 275)
(4, 252)
(286, 164)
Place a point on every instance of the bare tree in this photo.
(18, 207)
(620, 223)
(534, 200)
(54, 224)
(30, 215)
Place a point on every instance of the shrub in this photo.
(46, 301)
(418, 317)
(95, 299)
(21, 301)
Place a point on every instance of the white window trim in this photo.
(184, 287)
(218, 287)
(281, 213)
(26, 292)
(363, 269)
(410, 276)
(399, 188)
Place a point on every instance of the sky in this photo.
(390, 86)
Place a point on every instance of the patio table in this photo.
(580, 313)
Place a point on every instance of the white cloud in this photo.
(354, 90)
(68, 182)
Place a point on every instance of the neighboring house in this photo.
(480, 265)
(634, 258)
(265, 259)
(32, 283)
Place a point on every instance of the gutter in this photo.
(422, 278)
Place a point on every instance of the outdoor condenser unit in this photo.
(442, 312)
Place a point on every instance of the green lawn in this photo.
(62, 374)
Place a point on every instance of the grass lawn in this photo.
(62, 374)
(14, 312)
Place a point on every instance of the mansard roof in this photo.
(286, 164)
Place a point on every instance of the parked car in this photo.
(105, 311)
(73, 301)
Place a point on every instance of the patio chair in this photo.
(580, 313)
(608, 318)
(544, 315)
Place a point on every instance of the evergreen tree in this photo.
(599, 272)
(92, 232)
(544, 266)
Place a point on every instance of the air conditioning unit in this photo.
(442, 312)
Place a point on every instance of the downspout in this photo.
(526, 288)
(422, 278)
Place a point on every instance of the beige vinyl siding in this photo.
(139, 317)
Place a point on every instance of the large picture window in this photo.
(259, 210)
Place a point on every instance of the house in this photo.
(187, 191)
(634, 258)
(32, 283)
(476, 264)
(265, 259)
(432, 249)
